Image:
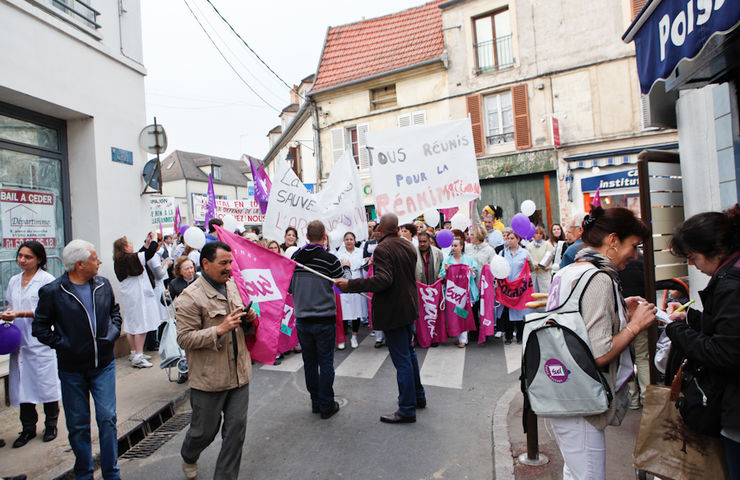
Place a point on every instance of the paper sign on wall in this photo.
(28, 215)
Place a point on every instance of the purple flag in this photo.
(178, 219)
(211, 205)
(262, 184)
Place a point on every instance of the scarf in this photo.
(588, 254)
(538, 243)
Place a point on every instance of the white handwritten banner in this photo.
(162, 210)
(339, 204)
(246, 212)
(27, 215)
(417, 168)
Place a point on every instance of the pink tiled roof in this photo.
(379, 45)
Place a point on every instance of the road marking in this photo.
(513, 355)
(444, 366)
(291, 363)
(364, 361)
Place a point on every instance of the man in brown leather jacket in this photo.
(395, 309)
(211, 326)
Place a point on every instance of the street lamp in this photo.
(290, 158)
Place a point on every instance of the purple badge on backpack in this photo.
(556, 371)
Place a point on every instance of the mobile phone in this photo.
(246, 308)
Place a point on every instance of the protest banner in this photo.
(246, 212)
(417, 168)
(162, 212)
(516, 293)
(339, 204)
(263, 277)
(487, 304)
(430, 326)
(458, 306)
(28, 215)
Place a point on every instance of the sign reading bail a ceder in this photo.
(27, 215)
(417, 168)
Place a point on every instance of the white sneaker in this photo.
(140, 362)
(498, 334)
(353, 342)
(131, 356)
(341, 346)
(372, 333)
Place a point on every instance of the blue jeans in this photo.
(317, 347)
(76, 390)
(401, 348)
(732, 450)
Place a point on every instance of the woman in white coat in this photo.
(354, 307)
(33, 368)
(139, 303)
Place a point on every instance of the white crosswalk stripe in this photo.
(364, 361)
(513, 355)
(290, 363)
(444, 366)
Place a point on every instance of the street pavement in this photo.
(452, 438)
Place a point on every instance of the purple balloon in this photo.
(10, 338)
(183, 228)
(444, 238)
(532, 231)
(520, 225)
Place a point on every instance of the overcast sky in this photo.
(198, 98)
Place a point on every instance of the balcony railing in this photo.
(502, 57)
(80, 10)
(500, 138)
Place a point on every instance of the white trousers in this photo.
(583, 447)
(379, 336)
(463, 337)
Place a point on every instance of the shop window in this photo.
(383, 97)
(493, 41)
(499, 118)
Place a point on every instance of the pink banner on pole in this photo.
(458, 307)
(341, 338)
(265, 278)
(516, 293)
(448, 212)
(370, 300)
(487, 312)
(430, 326)
(288, 334)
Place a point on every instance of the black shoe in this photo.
(277, 362)
(315, 410)
(2, 443)
(182, 378)
(23, 439)
(332, 410)
(519, 341)
(507, 342)
(50, 434)
(421, 403)
(17, 477)
(396, 417)
(435, 344)
(379, 344)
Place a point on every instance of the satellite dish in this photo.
(153, 138)
(152, 176)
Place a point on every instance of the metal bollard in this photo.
(532, 458)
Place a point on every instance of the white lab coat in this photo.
(33, 368)
(139, 303)
(160, 273)
(353, 305)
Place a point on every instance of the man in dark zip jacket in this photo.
(77, 315)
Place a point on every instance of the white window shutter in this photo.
(644, 112)
(404, 120)
(419, 118)
(362, 129)
(337, 143)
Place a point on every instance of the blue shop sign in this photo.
(122, 156)
(610, 181)
(667, 31)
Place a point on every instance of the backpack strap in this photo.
(573, 302)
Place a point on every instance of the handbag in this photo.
(701, 403)
(668, 448)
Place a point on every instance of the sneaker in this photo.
(341, 346)
(379, 344)
(372, 333)
(353, 342)
(190, 470)
(498, 334)
(140, 362)
(131, 356)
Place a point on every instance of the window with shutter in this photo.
(520, 103)
(337, 143)
(474, 111)
(404, 120)
(499, 119)
(419, 118)
(362, 130)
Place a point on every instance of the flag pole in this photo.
(309, 269)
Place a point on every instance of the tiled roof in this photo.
(180, 165)
(365, 49)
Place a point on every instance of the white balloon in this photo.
(500, 267)
(230, 223)
(336, 238)
(195, 237)
(431, 217)
(528, 207)
(290, 251)
(459, 222)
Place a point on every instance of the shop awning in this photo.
(682, 44)
(613, 157)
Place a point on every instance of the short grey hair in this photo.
(76, 251)
(578, 219)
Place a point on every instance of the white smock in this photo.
(160, 273)
(33, 367)
(353, 304)
(139, 303)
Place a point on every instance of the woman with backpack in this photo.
(611, 238)
(710, 340)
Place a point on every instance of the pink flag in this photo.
(340, 338)
(487, 303)
(516, 293)
(458, 307)
(430, 326)
(370, 300)
(265, 278)
(288, 333)
(448, 212)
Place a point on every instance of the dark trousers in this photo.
(732, 449)
(29, 417)
(510, 326)
(317, 347)
(401, 349)
(355, 324)
(208, 408)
